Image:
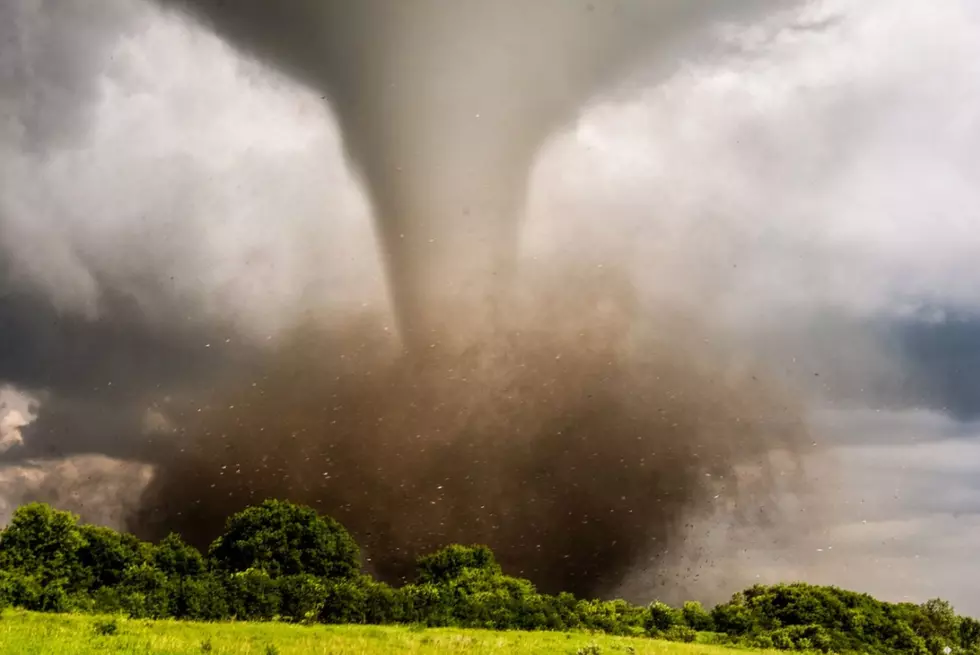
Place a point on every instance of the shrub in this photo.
(660, 618)
(680, 633)
(106, 627)
(696, 617)
(302, 597)
(145, 593)
(733, 618)
(253, 596)
(203, 598)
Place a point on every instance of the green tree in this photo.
(44, 543)
(969, 633)
(174, 557)
(106, 555)
(145, 593)
(696, 617)
(253, 595)
(452, 561)
(281, 538)
(660, 618)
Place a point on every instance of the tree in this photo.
(174, 557)
(696, 617)
(940, 620)
(281, 538)
(969, 633)
(660, 618)
(144, 592)
(43, 543)
(106, 555)
(253, 595)
(452, 561)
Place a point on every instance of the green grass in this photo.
(26, 633)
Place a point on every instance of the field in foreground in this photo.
(25, 633)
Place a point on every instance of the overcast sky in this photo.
(805, 177)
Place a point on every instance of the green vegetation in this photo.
(24, 633)
(282, 562)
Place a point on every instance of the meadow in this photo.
(29, 633)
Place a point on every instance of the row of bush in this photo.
(280, 561)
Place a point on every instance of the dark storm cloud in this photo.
(943, 356)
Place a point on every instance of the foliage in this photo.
(174, 557)
(453, 561)
(106, 627)
(43, 543)
(660, 618)
(696, 617)
(285, 539)
(280, 561)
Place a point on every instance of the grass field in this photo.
(26, 633)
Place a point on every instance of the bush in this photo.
(734, 617)
(106, 627)
(253, 596)
(145, 593)
(302, 597)
(680, 633)
(660, 618)
(204, 598)
(696, 617)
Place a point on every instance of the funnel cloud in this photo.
(443, 105)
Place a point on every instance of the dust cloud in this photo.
(577, 437)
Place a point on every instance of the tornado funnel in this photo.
(443, 104)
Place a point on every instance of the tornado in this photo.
(443, 105)
(547, 408)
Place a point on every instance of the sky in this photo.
(167, 203)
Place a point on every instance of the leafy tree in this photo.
(145, 593)
(203, 598)
(253, 595)
(43, 543)
(452, 561)
(733, 617)
(105, 555)
(302, 597)
(281, 538)
(696, 617)
(660, 618)
(174, 557)
(937, 620)
(969, 633)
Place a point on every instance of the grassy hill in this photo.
(27, 633)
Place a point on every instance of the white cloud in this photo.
(825, 168)
(203, 183)
(17, 410)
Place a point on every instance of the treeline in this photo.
(280, 561)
